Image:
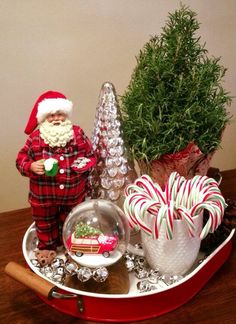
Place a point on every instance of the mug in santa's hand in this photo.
(51, 167)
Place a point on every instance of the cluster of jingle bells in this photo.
(96, 235)
(148, 278)
(59, 268)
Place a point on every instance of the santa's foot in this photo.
(45, 256)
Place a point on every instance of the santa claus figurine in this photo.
(54, 143)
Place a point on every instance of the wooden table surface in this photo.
(213, 304)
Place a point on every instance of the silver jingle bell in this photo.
(100, 274)
(58, 278)
(167, 279)
(47, 271)
(56, 263)
(84, 274)
(141, 273)
(129, 256)
(35, 263)
(130, 265)
(143, 286)
(154, 276)
(140, 261)
(71, 268)
(60, 271)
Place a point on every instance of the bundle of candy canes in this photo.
(181, 199)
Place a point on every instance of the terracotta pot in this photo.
(188, 163)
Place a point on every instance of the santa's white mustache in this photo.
(56, 122)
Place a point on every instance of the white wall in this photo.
(73, 46)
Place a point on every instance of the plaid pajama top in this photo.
(68, 187)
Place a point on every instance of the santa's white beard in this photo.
(56, 135)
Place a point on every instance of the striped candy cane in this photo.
(182, 198)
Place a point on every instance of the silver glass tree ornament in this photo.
(114, 170)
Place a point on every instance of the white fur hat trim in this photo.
(51, 106)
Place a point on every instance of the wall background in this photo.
(73, 47)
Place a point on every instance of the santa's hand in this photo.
(83, 164)
(37, 167)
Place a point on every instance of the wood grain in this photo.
(28, 278)
(215, 303)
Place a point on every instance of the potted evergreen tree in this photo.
(174, 109)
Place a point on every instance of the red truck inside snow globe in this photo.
(89, 240)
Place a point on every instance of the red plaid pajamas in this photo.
(53, 197)
(49, 222)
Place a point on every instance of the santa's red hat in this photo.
(48, 103)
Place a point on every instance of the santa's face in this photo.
(56, 118)
(56, 130)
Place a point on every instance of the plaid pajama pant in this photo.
(49, 223)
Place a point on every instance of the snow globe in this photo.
(96, 233)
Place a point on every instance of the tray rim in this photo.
(130, 294)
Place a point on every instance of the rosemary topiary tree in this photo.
(175, 96)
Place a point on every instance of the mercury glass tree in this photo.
(114, 170)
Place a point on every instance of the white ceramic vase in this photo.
(176, 256)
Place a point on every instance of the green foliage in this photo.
(175, 94)
(84, 230)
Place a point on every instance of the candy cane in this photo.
(197, 183)
(128, 212)
(133, 217)
(146, 183)
(158, 221)
(188, 219)
(181, 198)
(214, 218)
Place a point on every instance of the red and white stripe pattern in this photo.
(181, 199)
